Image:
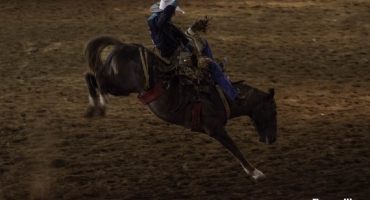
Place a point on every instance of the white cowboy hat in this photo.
(160, 6)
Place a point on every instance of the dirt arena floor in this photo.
(314, 53)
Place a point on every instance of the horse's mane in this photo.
(247, 88)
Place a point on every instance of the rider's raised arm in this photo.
(166, 15)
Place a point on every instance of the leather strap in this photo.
(224, 101)
(152, 94)
(195, 119)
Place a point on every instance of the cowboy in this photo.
(168, 39)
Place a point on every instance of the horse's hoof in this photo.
(258, 175)
(90, 111)
(100, 111)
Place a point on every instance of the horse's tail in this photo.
(94, 49)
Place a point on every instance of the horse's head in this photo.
(264, 118)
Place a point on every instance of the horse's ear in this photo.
(271, 93)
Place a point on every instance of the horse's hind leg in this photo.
(94, 108)
(104, 104)
(224, 138)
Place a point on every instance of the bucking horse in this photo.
(132, 68)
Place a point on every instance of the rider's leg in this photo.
(207, 52)
(219, 77)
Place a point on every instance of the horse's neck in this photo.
(254, 97)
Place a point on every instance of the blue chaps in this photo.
(217, 75)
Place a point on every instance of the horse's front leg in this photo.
(221, 135)
(94, 108)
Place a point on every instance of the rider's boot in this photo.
(223, 64)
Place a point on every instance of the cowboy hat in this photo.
(160, 6)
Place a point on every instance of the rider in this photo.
(168, 39)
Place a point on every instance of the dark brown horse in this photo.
(125, 72)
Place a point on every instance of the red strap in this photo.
(152, 94)
(195, 121)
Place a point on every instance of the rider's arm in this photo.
(166, 14)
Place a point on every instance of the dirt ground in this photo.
(314, 53)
